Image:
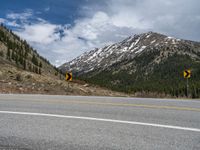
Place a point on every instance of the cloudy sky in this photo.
(60, 30)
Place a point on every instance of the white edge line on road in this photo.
(104, 120)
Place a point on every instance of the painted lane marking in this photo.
(132, 105)
(103, 120)
(115, 104)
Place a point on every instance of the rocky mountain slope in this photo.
(16, 80)
(148, 62)
(19, 53)
(23, 70)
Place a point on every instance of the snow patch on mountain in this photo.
(134, 43)
(153, 41)
(102, 58)
(141, 49)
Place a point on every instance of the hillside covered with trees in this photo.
(19, 53)
(149, 64)
(165, 77)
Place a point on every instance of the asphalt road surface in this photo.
(34, 122)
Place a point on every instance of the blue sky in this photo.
(61, 30)
(58, 12)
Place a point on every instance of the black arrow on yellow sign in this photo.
(68, 76)
(187, 73)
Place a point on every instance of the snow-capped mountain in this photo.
(145, 62)
(102, 58)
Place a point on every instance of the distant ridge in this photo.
(149, 62)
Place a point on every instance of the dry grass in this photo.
(14, 80)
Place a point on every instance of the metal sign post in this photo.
(187, 88)
(187, 75)
(68, 78)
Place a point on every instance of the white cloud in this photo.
(21, 16)
(12, 23)
(86, 34)
(177, 18)
(47, 9)
(42, 33)
(2, 20)
(109, 24)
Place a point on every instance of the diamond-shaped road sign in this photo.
(187, 73)
(68, 76)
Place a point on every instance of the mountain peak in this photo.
(149, 62)
(102, 58)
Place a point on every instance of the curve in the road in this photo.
(150, 106)
(101, 119)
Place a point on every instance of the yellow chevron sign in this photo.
(187, 73)
(68, 76)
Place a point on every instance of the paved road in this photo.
(32, 122)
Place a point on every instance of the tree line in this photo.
(20, 52)
(163, 78)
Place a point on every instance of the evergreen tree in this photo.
(8, 54)
(24, 64)
(34, 60)
(1, 54)
(13, 55)
(40, 65)
(21, 59)
(40, 72)
(16, 59)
